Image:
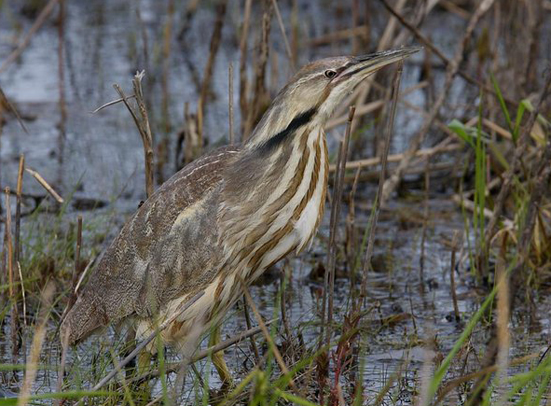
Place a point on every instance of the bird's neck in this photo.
(274, 180)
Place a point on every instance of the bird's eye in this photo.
(330, 74)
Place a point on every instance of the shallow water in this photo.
(102, 160)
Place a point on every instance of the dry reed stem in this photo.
(48, 8)
(150, 338)
(4, 99)
(14, 319)
(36, 347)
(351, 231)
(469, 205)
(527, 80)
(355, 23)
(78, 246)
(424, 227)
(230, 102)
(502, 131)
(61, 90)
(76, 275)
(45, 185)
(388, 39)
(420, 170)
(422, 153)
(454, 9)
(451, 71)
(372, 106)
(243, 84)
(167, 39)
(19, 190)
(111, 103)
(455, 242)
(83, 275)
(454, 383)
(266, 333)
(145, 39)
(283, 34)
(294, 30)
(249, 326)
(384, 160)
(503, 310)
(141, 120)
(362, 91)
(3, 265)
(191, 8)
(339, 35)
(209, 67)
(259, 96)
(335, 212)
(447, 61)
(173, 367)
(23, 293)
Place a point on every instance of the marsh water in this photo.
(98, 165)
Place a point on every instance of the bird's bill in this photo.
(367, 64)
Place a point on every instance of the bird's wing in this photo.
(157, 251)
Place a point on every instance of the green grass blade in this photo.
(60, 395)
(459, 128)
(443, 369)
(294, 399)
(503, 105)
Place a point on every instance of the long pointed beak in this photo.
(367, 64)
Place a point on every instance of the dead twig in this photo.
(141, 120)
(447, 61)
(17, 241)
(260, 97)
(45, 185)
(4, 99)
(378, 198)
(265, 331)
(469, 205)
(14, 319)
(455, 242)
(283, 34)
(27, 39)
(145, 342)
(230, 102)
(19, 190)
(451, 71)
(111, 103)
(173, 367)
(209, 67)
(335, 212)
(422, 153)
(243, 83)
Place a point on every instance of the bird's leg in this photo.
(144, 362)
(218, 358)
(143, 391)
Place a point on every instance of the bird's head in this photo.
(319, 87)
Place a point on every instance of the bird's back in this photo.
(162, 252)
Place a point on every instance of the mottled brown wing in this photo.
(162, 251)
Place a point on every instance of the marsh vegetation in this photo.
(428, 283)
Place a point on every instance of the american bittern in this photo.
(225, 217)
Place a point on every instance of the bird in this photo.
(222, 220)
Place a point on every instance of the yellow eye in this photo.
(330, 74)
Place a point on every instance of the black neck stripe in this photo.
(297, 122)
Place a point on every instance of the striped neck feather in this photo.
(277, 128)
